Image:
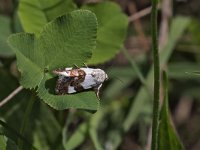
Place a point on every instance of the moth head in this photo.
(99, 75)
(61, 72)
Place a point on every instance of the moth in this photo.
(74, 80)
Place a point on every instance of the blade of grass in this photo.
(93, 128)
(26, 119)
(94, 137)
(11, 130)
(77, 138)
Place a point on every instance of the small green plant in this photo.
(63, 42)
(66, 41)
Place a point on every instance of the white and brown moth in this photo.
(73, 80)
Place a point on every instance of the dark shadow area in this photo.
(51, 84)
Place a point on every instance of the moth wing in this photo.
(88, 82)
(71, 89)
(62, 85)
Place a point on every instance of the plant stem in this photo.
(11, 95)
(155, 125)
(26, 119)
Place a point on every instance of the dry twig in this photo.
(164, 27)
(138, 27)
(140, 14)
(11, 95)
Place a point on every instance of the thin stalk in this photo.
(26, 119)
(155, 125)
(10, 96)
(137, 71)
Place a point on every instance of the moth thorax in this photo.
(62, 78)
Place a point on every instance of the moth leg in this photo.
(78, 87)
(97, 89)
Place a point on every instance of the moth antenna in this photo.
(85, 65)
(119, 79)
(75, 66)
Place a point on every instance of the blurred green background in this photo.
(123, 120)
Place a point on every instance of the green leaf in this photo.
(2, 142)
(69, 39)
(77, 138)
(84, 100)
(93, 129)
(17, 26)
(47, 132)
(112, 28)
(5, 31)
(168, 140)
(63, 42)
(28, 59)
(35, 14)
(184, 70)
(66, 41)
(194, 30)
(8, 131)
(7, 143)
